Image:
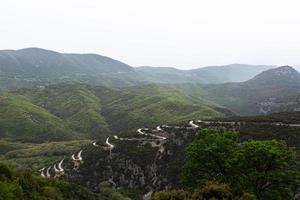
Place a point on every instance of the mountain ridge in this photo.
(29, 58)
(270, 91)
(204, 75)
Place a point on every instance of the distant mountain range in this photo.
(32, 62)
(205, 75)
(87, 112)
(274, 90)
(35, 67)
(244, 89)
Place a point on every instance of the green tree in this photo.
(172, 195)
(27, 186)
(108, 193)
(10, 191)
(210, 157)
(6, 173)
(266, 169)
(213, 191)
(210, 191)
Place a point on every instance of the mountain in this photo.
(64, 112)
(205, 75)
(21, 120)
(40, 126)
(33, 62)
(89, 111)
(274, 90)
(75, 104)
(162, 74)
(34, 67)
(277, 77)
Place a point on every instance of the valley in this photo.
(120, 162)
(113, 129)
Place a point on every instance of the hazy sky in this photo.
(183, 34)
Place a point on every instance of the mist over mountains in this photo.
(205, 75)
(273, 90)
(39, 67)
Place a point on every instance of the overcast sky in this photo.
(183, 34)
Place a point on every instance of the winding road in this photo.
(111, 146)
(149, 134)
(60, 167)
(133, 139)
(48, 172)
(158, 128)
(95, 144)
(193, 125)
(42, 172)
(55, 169)
(79, 158)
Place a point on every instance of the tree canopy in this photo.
(267, 169)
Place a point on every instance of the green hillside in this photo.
(25, 185)
(23, 121)
(204, 75)
(150, 105)
(76, 105)
(119, 110)
(274, 90)
(32, 156)
(42, 126)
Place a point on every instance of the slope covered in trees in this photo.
(27, 186)
(257, 169)
(274, 90)
(69, 111)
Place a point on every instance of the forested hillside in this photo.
(274, 90)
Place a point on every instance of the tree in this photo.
(210, 191)
(213, 191)
(267, 169)
(10, 191)
(106, 192)
(6, 173)
(172, 195)
(210, 157)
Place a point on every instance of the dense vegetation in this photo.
(72, 111)
(30, 156)
(282, 117)
(268, 127)
(265, 169)
(26, 186)
(43, 123)
(210, 191)
(22, 120)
